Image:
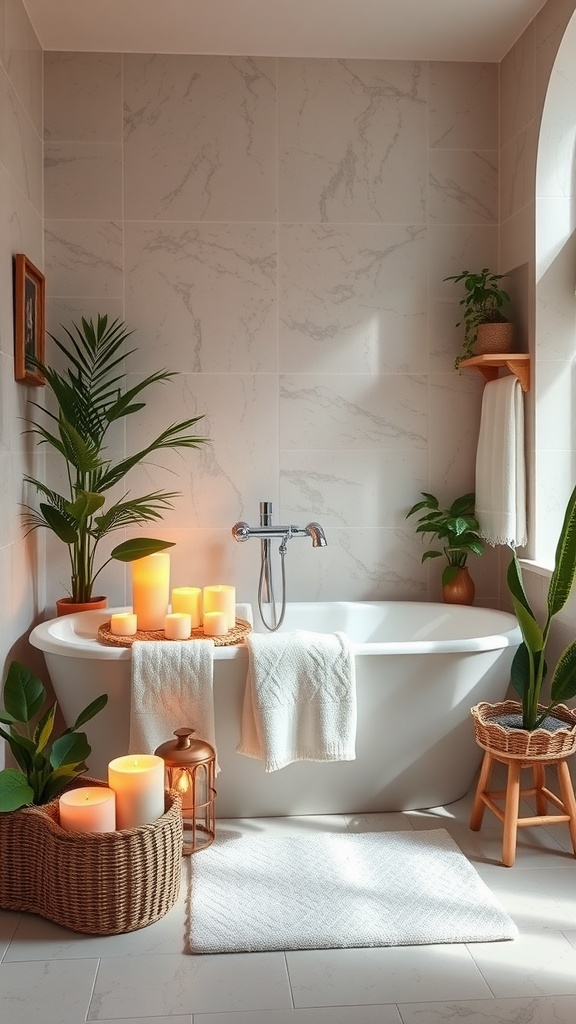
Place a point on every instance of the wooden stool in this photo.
(511, 796)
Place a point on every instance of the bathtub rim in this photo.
(50, 636)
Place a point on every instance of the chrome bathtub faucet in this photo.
(241, 531)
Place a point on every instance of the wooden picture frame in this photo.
(29, 320)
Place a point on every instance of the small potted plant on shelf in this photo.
(457, 531)
(486, 326)
(90, 397)
(530, 724)
(45, 766)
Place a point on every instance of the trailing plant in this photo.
(529, 668)
(90, 397)
(45, 766)
(483, 303)
(456, 530)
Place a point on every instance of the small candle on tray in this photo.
(189, 600)
(215, 624)
(138, 782)
(88, 809)
(178, 626)
(123, 624)
(221, 598)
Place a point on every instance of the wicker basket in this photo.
(101, 883)
(492, 338)
(540, 744)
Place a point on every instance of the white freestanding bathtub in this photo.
(419, 669)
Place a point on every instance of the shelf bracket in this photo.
(489, 365)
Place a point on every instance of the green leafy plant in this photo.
(456, 529)
(529, 668)
(483, 303)
(45, 767)
(90, 397)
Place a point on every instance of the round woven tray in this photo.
(236, 635)
(99, 883)
(540, 744)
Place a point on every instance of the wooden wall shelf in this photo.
(489, 365)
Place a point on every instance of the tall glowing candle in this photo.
(138, 782)
(188, 600)
(88, 809)
(221, 598)
(151, 590)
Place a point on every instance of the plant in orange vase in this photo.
(457, 531)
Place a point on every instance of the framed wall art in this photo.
(29, 325)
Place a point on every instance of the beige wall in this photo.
(21, 570)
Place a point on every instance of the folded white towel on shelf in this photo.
(172, 688)
(500, 464)
(300, 699)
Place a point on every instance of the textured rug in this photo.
(325, 891)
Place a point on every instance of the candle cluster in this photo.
(134, 797)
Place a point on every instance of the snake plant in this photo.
(90, 397)
(529, 668)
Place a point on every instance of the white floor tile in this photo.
(379, 823)
(318, 1015)
(342, 977)
(8, 923)
(556, 1010)
(543, 963)
(295, 825)
(46, 991)
(166, 985)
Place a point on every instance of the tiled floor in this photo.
(49, 975)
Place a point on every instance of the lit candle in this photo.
(88, 809)
(221, 599)
(215, 623)
(189, 600)
(177, 626)
(123, 624)
(138, 782)
(151, 589)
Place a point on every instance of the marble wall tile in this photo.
(517, 237)
(20, 144)
(83, 97)
(549, 27)
(352, 140)
(456, 247)
(24, 60)
(63, 312)
(3, 50)
(207, 291)
(518, 172)
(463, 106)
(227, 478)
(204, 128)
(452, 443)
(353, 298)
(82, 180)
(330, 411)
(374, 489)
(518, 106)
(84, 258)
(463, 186)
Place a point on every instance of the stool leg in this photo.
(479, 806)
(539, 783)
(511, 814)
(568, 799)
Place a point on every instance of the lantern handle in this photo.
(184, 736)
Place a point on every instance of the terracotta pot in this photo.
(461, 589)
(493, 338)
(66, 606)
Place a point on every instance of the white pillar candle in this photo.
(88, 809)
(189, 600)
(215, 624)
(177, 626)
(221, 598)
(123, 624)
(151, 589)
(138, 782)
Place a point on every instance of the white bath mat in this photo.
(324, 891)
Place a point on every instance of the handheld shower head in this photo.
(315, 531)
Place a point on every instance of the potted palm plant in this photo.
(531, 722)
(486, 326)
(89, 397)
(456, 530)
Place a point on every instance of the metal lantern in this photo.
(190, 770)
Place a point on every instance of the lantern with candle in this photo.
(190, 766)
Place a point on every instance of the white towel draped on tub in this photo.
(500, 464)
(300, 699)
(172, 688)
